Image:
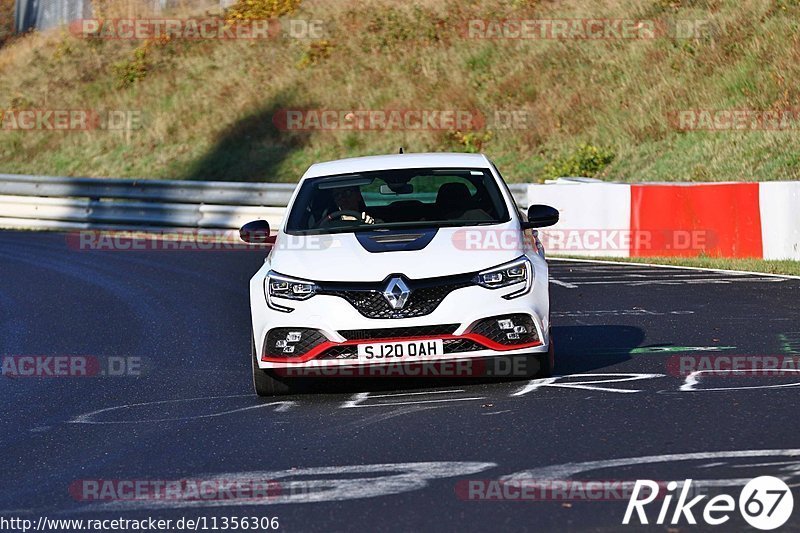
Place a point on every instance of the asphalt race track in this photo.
(372, 456)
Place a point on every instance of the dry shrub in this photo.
(261, 9)
(6, 19)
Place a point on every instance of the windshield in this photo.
(429, 197)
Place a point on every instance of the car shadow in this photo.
(253, 148)
(587, 348)
(577, 349)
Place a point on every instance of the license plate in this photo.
(400, 350)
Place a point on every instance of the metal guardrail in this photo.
(46, 202)
(520, 193)
(211, 192)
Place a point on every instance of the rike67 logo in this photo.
(765, 503)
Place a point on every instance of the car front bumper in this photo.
(335, 319)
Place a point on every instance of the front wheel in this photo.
(264, 383)
(547, 362)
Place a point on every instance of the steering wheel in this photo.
(338, 215)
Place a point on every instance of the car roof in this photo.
(395, 161)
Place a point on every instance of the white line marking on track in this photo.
(635, 277)
(694, 378)
(673, 281)
(415, 393)
(536, 384)
(713, 465)
(751, 465)
(384, 404)
(87, 418)
(617, 312)
(563, 284)
(309, 485)
(567, 470)
(653, 265)
(355, 400)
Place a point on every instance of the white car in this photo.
(410, 262)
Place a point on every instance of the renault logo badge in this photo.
(397, 293)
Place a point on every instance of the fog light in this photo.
(509, 330)
(291, 342)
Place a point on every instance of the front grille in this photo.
(450, 346)
(425, 297)
(461, 345)
(309, 338)
(393, 333)
(491, 329)
(340, 352)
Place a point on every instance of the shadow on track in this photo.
(588, 348)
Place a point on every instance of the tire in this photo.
(547, 361)
(264, 383)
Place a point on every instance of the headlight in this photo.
(277, 286)
(518, 271)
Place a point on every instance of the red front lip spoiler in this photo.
(319, 349)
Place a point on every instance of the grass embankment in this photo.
(208, 106)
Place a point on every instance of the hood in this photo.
(345, 257)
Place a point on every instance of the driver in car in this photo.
(350, 203)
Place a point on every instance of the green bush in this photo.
(392, 29)
(586, 161)
(129, 72)
(316, 52)
(470, 142)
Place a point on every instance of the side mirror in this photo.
(255, 232)
(541, 216)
